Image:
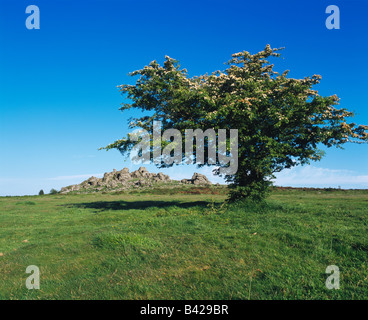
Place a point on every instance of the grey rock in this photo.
(197, 179)
(123, 180)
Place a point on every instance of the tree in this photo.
(41, 193)
(281, 121)
(53, 191)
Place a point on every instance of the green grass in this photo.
(167, 245)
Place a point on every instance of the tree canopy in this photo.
(281, 121)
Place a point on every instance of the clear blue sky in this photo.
(58, 97)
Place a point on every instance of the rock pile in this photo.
(197, 179)
(123, 180)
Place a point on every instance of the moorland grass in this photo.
(180, 245)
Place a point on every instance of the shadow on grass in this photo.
(138, 205)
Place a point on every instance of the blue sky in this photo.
(58, 97)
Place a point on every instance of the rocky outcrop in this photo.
(123, 180)
(197, 179)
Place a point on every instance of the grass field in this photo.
(174, 245)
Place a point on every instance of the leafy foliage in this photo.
(53, 191)
(281, 121)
